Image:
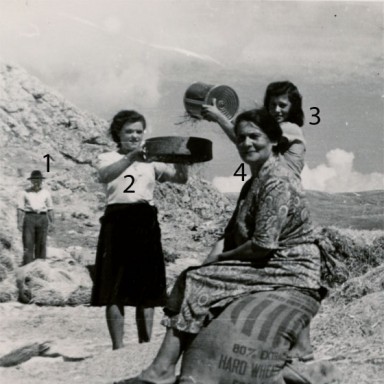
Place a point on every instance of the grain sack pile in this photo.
(59, 280)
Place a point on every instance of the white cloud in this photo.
(228, 184)
(337, 175)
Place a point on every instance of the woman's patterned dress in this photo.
(272, 212)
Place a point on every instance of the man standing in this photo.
(34, 217)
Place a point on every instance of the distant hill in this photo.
(358, 210)
(355, 210)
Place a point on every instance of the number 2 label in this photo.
(127, 190)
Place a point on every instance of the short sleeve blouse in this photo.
(135, 184)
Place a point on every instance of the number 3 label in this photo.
(126, 190)
(316, 114)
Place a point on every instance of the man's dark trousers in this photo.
(35, 231)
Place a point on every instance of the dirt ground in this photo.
(76, 332)
(352, 336)
(80, 335)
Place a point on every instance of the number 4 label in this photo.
(242, 174)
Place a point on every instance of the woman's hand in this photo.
(211, 259)
(181, 173)
(212, 113)
(137, 154)
(245, 252)
(176, 173)
(216, 250)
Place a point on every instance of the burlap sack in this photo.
(249, 341)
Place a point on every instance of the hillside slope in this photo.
(36, 121)
(357, 210)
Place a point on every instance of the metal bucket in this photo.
(199, 94)
(178, 149)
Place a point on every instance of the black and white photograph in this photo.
(191, 192)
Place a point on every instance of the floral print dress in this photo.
(272, 212)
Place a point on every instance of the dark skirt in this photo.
(130, 267)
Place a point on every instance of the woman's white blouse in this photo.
(135, 184)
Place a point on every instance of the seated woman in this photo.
(284, 102)
(268, 246)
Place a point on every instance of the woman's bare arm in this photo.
(112, 171)
(216, 250)
(245, 252)
(212, 113)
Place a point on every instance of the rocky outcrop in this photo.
(34, 115)
(35, 121)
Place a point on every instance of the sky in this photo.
(108, 55)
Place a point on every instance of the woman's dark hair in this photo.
(120, 119)
(263, 120)
(296, 114)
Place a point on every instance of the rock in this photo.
(30, 109)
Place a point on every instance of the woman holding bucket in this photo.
(284, 102)
(268, 247)
(130, 267)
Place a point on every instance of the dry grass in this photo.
(356, 252)
(54, 283)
